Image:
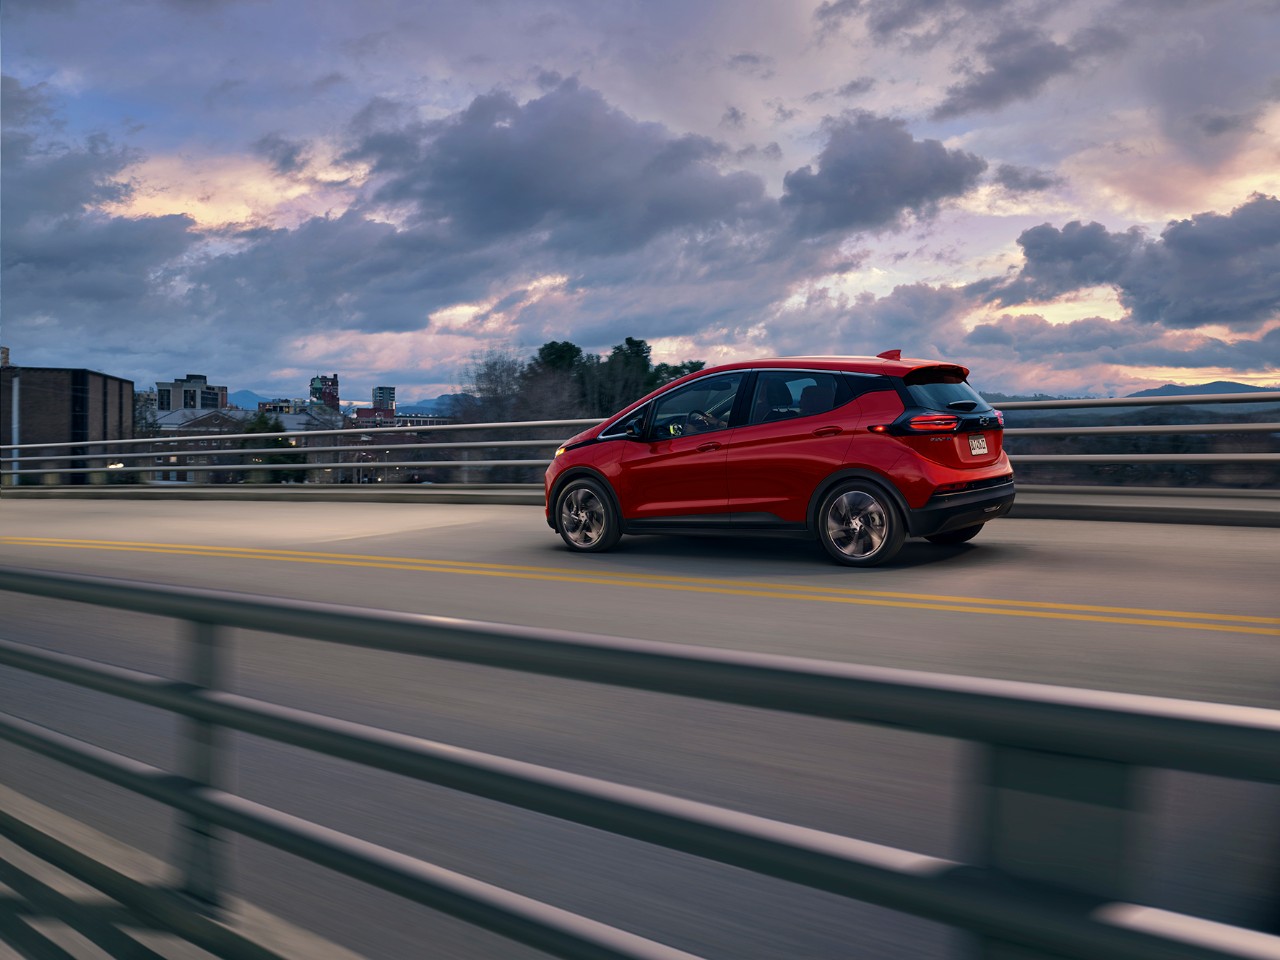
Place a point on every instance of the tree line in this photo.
(560, 382)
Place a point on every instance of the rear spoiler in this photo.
(933, 372)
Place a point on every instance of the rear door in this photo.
(799, 424)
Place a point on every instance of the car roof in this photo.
(898, 367)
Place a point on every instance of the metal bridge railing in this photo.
(50, 462)
(1053, 891)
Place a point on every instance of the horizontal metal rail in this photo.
(345, 431)
(1149, 731)
(255, 467)
(221, 451)
(1268, 396)
(105, 457)
(1203, 738)
(1150, 429)
(509, 914)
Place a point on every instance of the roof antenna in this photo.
(890, 355)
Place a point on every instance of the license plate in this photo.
(977, 444)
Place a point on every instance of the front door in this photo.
(679, 469)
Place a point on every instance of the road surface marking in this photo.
(1230, 623)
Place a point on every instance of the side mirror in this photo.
(634, 427)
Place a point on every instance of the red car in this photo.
(859, 452)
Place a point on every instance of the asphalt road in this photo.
(1148, 608)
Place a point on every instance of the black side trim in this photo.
(692, 521)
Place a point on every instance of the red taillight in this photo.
(934, 423)
(879, 428)
(999, 416)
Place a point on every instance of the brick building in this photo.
(64, 405)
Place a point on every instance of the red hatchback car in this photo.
(859, 452)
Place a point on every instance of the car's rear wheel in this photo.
(586, 518)
(859, 525)
(963, 535)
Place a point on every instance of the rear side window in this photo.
(784, 394)
(942, 388)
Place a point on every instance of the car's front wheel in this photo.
(963, 535)
(586, 518)
(859, 525)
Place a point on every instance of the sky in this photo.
(1067, 196)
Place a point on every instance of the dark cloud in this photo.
(1058, 261)
(102, 279)
(756, 65)
(1217, 124)
(1024, 180)
(285, 156)
(1209, 269)
(1125, 342)
(919, 24)
(855, 88)
(566, 165)
(1031, 337)
(24, 106)
(831, 14)
(872, 173)
(733, 117)
(346, 272)
(1017, 64)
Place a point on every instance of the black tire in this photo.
(586, 518)
(859, 524)
(963, 535)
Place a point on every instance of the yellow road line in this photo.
(1035, 609)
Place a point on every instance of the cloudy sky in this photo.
(1069, 196)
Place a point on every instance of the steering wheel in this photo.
(698, 421)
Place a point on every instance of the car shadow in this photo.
(741, 553)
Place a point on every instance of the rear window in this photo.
(941, 389)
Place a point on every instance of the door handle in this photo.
(826, 431)
(708, 447)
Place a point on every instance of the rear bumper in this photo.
(951, 511)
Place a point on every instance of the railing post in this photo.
(200, 854)
(1054, 819)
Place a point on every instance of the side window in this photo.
(703, 406)
(784, 394)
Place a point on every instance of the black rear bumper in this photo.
(951, 511)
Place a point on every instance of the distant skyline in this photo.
(1068, 196)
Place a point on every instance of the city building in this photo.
(384, 398)
(325, 390)
(194, 392)
(44, 405)
(283, 405)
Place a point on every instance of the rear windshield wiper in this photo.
(965, 405)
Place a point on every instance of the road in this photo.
(1149, 608)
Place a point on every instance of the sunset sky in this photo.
(1068, 196)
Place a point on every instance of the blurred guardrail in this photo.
(1052, 810)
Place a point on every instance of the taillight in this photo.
(999, 416)
(933, 423)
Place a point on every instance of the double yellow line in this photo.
(1175, 619)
